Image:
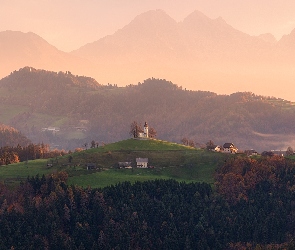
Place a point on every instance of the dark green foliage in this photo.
(162, 214)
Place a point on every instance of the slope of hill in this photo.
(168, 160)
(82, 111)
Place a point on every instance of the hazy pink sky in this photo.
(69, 24)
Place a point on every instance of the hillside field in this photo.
(170, 160)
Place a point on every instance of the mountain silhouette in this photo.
(20, 49)
(199, 53)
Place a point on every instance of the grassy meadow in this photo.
(170, 160)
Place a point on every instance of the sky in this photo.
(70, 24)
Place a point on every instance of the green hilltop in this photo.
(144, 144)
(169, 160)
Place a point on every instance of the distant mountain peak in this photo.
(198, 19)
(153, 17)
(288, 40)
(196, 16)
(268, 37)
(220, 20)
(11, 34)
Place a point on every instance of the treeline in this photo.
(9, 155)
(46, 213)
(11, 137)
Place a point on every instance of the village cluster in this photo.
(228, 148)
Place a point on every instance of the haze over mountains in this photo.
(68, 110)
(198, 53)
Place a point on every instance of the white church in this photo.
(145, 133)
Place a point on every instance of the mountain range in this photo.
(198, 53)
(67, 111)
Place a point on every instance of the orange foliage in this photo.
(239, 175)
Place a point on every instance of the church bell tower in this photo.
(146, 130)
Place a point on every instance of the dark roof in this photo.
(142, 160)
(91, 164)
(228, 145)
(125, 163)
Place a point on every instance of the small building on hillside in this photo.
(51, 129)
(91, 166)
(250, 152)
(229, 148)
(124, 164)
(142, 162)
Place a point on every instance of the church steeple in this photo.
(146, 130)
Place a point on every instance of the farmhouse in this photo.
(250, 152)
(142, 162)
(124, 164)
(51, 129)
(91, 166)
(229, 148)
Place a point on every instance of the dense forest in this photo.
(252, 207)
(84, 110)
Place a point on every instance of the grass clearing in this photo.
(169, 160)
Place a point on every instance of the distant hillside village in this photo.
(146, 133)
(142, 134)
(226, 148)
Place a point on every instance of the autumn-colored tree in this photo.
(289, 151)
(135, 129)
(152, 132)
(210, 145)
(184, 141)
(92, 144)
(191, 143)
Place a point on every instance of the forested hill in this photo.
(34, 99)
(11, 137)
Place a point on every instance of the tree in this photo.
(191, 143)
(92, 144)
(289, 151)
(210, 145)
(184, 141)
(135, 129)
(152, 133)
